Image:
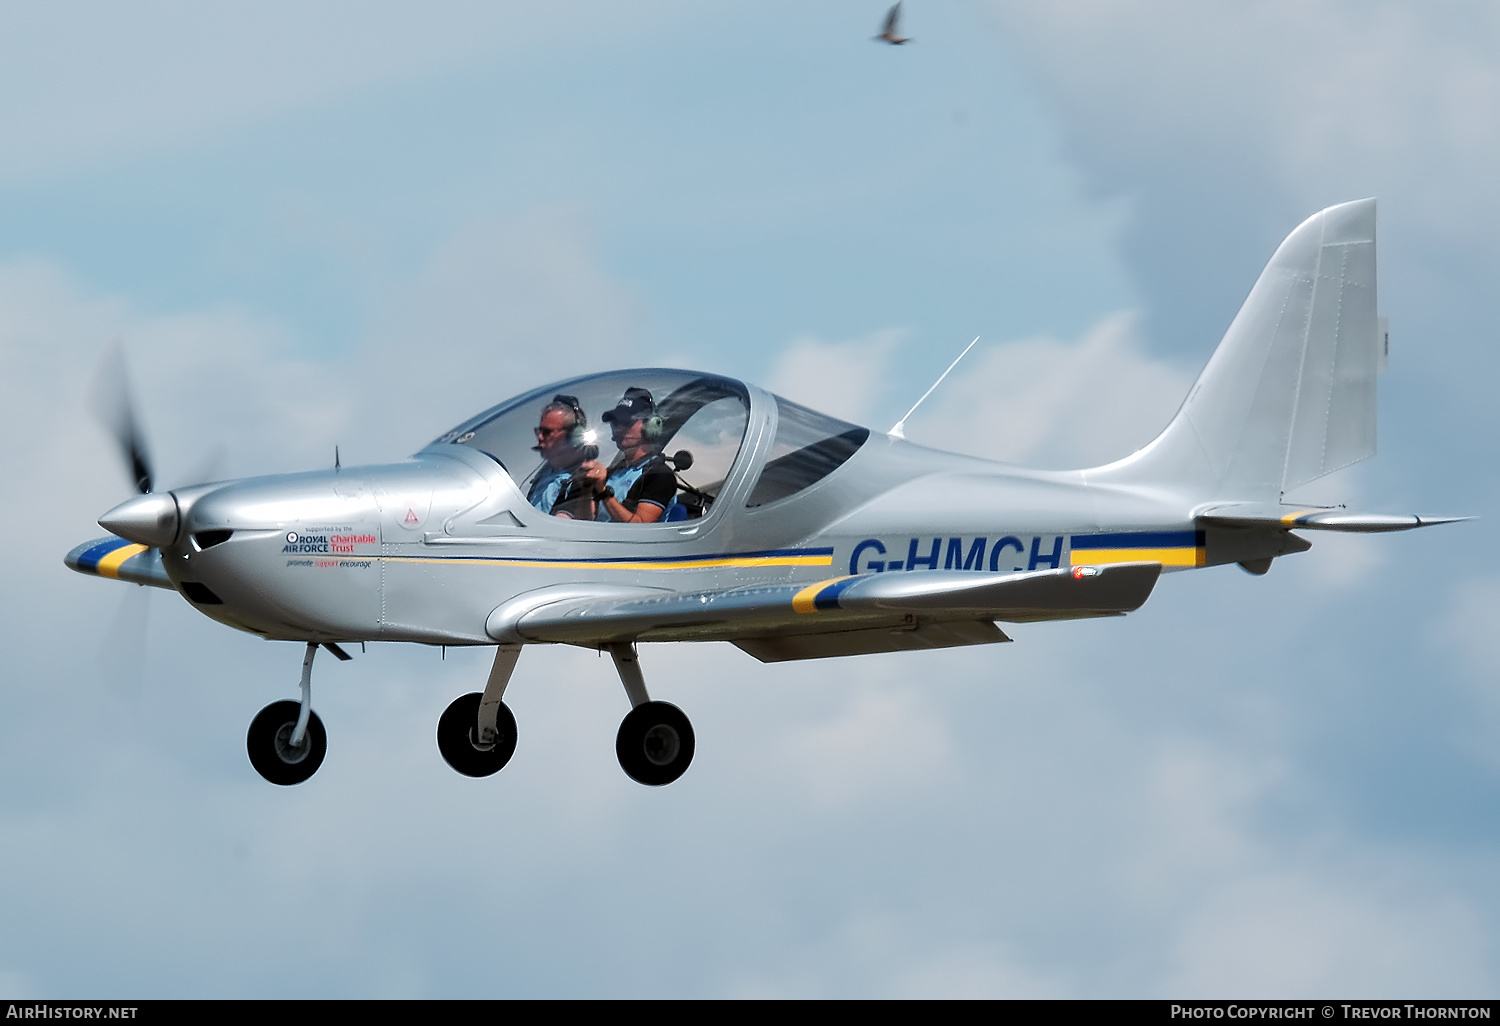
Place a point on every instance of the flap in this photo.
(780, 648)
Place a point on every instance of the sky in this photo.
(355, 225)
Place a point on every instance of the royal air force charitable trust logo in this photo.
(330, 547)
(322, 541)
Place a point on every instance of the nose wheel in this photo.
(272, 752)
(286, 741)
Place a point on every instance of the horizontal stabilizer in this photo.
(121, 560)
(572, 614)
(1326, 518)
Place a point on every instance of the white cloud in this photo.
(1343, 561)
(844, 379)
(1197, 802)
(871, 954)
(884, 742)
(1040, 401)
(502, 306)
(1469, 626)
(980, 971)
(84, 82)
(1044, 402)
(1290, 935)
(1465, 630)
(1323, 100)
(202, 379)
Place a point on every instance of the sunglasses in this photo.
(572, 403)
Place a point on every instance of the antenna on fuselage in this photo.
(899, 431)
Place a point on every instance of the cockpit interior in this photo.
(697, 425)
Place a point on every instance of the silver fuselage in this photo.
(426, 549)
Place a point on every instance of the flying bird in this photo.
(891, 31)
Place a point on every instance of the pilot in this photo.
(560, 487)
(638, 487)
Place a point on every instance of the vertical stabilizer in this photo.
(1289, 394)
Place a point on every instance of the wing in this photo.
(1322, 518)
(892, 21)
(120, 559)
(842, 616)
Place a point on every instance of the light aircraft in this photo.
(786, 532)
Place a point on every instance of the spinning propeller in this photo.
(115, 408)
(150, 518)
(123, 654)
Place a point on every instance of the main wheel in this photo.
(269, 743)
(655, 743)
(461, 749)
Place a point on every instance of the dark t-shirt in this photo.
(655, 484)
(575, 499)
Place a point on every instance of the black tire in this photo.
(455, 737)
(269, 748)
(655, 743)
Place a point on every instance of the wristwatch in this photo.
(608, 493)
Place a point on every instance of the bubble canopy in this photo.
(702, 413)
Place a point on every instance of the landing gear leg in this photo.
(477, 732)
(655, 742)
(286, 742)
(304, 713)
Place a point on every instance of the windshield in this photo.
(695, 421)
(808, 447)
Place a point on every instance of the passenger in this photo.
(561, 487)
(638, 487)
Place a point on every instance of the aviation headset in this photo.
(651, 423)
(569, 404)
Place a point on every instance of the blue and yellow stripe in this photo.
(1169, 548)
(717, 561)
(106, 558)
(822, 595)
